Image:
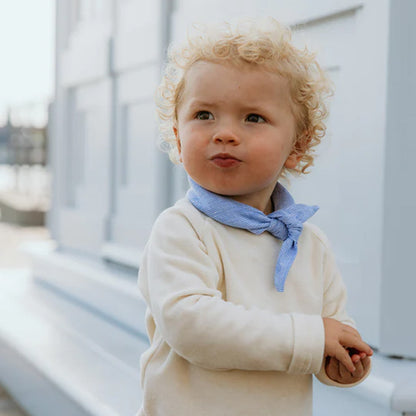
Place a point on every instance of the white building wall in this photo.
(348, 179)
(399, 224)
(107, 71)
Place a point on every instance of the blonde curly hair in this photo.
(263, 42)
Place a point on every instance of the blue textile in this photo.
(286, 223)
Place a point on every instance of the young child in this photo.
(245, 301)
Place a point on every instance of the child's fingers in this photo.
(359, 370)
(353, 352)
(345, 374)
(351, 377)
(357, 344)
(366, 362)
(332, 368)
(343, 356)
(354, 337)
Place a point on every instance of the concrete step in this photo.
(105, 288)
(58, 357)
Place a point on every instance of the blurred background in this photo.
(27, 42)
(82, 180)
(26, 84)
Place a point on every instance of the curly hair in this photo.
(265, 43)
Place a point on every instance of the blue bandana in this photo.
(286, 223)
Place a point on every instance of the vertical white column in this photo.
(57, 121)
(166, 176)
(398, 289)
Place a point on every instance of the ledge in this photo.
(109, 291)
(59, 358)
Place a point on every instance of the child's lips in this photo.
(225, 160)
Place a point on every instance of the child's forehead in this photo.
(213, 84)
(206, 76)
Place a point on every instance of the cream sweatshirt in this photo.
(224, 341)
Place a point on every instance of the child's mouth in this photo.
(225, 160)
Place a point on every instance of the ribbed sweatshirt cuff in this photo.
(308, 344)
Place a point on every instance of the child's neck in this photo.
(260, 199)
(269, 207)
(266, 207)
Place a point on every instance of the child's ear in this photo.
(178, 142)
(293, 160)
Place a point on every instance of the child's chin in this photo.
(222, 186)
(221, 190)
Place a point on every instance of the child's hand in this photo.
(336, 371)
(339, 337)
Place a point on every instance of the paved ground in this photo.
(11, 237)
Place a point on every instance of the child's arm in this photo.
(179, 282)
(339, 331)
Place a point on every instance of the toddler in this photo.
(245, 301)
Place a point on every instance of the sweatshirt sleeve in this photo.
(335, 299)
(179, 282)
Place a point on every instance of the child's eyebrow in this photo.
(201, 103)
(213, 104)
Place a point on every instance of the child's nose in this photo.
(226, 136)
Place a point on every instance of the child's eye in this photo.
(255, 118)
(204, 115)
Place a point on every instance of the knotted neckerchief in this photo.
(286, 223)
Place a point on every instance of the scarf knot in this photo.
(286, 223)
(278, 229)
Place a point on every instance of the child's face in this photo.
(235, 129)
